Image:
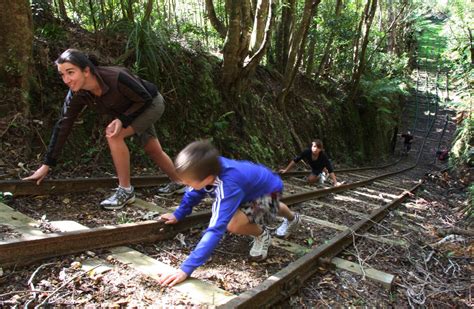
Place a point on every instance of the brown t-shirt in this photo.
(124, 96)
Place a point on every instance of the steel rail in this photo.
(24, 251)
(74, 185)
(59, 186)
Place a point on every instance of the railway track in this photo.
(26, 250)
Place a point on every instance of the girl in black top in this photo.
(318, 161)
(134, 105)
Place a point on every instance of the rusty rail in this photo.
(74, 185)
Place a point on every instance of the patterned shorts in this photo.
(262, 210)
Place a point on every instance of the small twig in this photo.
(41, 139)
(10, 124)
(30, 281)
(359, 259)
(65, 284)
(23, 291)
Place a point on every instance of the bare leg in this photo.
(240, 224)
(313, 178)
(284, 211)
(156, 153)
(121, 155)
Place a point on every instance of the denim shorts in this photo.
(262, 210)
(143, 125)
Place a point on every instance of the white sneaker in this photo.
(260, 246)
(119, 199)
(286, 228)
(322, 178)
(172, 188)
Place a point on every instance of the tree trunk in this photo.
(94, 22)
(297, 45)
(296, 50)
(283, 34)
(15, 53)
(215, 22)
(240, 59)
(148, 10)
(327, 49)
(259, 25)
(360, 66)
(310, 59)
(471, 42)
(62, 11)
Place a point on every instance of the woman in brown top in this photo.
(134, 103)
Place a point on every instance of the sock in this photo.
(128, 190)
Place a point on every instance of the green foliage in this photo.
(51, 32)
(258, 151)
(150, 50)
(462, 151)
(123, 218)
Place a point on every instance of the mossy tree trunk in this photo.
(15, 53)
(245, 45)
(297, 45)
(360, 48)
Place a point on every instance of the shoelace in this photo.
(121, 194)
(258, 241)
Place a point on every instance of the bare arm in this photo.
(289, 167)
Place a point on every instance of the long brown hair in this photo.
(318, 143)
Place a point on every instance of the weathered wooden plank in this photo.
(339, 227)
(202, 292)
(383, 278)
(18, 221)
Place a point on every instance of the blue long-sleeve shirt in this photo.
(238, 182)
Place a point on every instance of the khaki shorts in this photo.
(143, 124)
(262, 210)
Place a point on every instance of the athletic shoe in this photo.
(286, 228)
(119, 199)
(260, 246)
(172, 188)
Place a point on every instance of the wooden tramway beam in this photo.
(24, 251)
(27, 250)
(74, 185)
(61, 186)
(287, 281)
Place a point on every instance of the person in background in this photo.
(407, 140)
(134, 105)
(319, 162)
(246, 198)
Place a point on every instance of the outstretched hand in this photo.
(168, 218)
(39, 174)
(282, 171)
(173, 279)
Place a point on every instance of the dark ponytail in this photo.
(79, 59)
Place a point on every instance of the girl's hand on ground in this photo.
(113, 128)
(39, 174)
(169, 219)
(172, 279)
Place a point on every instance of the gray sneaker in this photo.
(119, 199)
(260, 246)
(172, 188)
(286, 228)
